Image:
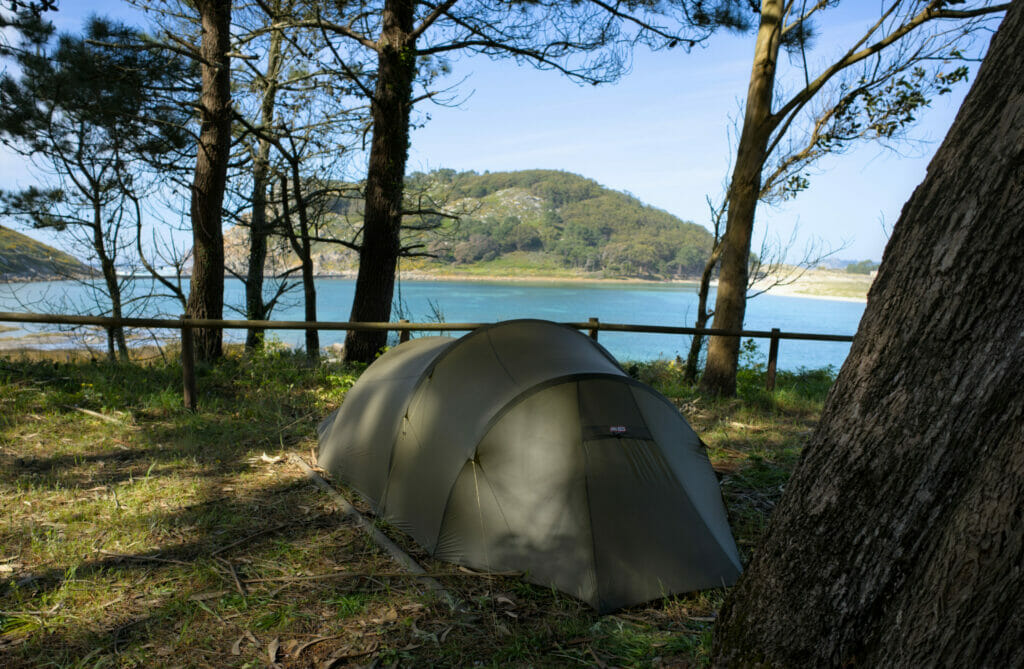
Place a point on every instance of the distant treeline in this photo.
(862, 267)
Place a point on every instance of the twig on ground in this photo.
(41, 614)
(298, 651)
(248, 538)
(400, 556)
(377, 574)
(234, 575)
(334, 660)
(298, 420)
(111, 602)
(96, 414)
(143, 558)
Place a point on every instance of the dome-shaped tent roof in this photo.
(524, 446)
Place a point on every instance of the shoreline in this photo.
(803, 288)
(790, 290)
(427, 276)
(794, 291)
(420, 275)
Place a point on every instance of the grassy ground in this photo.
(133, 533)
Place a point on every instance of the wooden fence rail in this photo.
(403, 327)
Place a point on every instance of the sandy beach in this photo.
(820, 284)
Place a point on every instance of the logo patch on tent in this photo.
(617, 429)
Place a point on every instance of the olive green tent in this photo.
(524, 446)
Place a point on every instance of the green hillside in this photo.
(23, 258)
(533, 222)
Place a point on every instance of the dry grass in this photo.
(825, 283)
(137, 534)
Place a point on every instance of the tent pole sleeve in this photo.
(396, 553)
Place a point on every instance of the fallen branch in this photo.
(298, 651)
(248, 538)
(378, 574)
(40, 614)
(96, 414)
(349, 511)
(335, 660)
(234, 575)
(142, 558)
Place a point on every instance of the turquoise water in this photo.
(479, 301)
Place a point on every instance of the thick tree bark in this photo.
(744, 190)
(389, 150)
(255, 307)
(206, 290)
(900, 538)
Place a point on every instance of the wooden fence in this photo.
(593, 326)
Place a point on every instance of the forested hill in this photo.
(570, 219)
(533, 222)
(23, 258)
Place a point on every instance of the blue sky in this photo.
(662, 133)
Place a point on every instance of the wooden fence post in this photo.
(595, 325)
(188, 368)
(403, 335)
(773, 360)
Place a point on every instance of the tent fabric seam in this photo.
(497, 358)
(404, 414)
(448, 499)
(590, 511)
(686, 492)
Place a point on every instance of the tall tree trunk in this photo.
(900, 538)
(309, 296)
(116, 311)
(303, 249)
(255, 307)
(206, 289)
(703, 315)
(745, 186)
(378, 257)
(115, 333)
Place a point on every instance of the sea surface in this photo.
(486, 301)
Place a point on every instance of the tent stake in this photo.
(396, 553)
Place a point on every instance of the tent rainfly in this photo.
(524, 446)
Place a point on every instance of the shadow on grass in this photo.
(51, 435)
(204, 445)
(163, 537)
(83, 492)
(212, 545)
